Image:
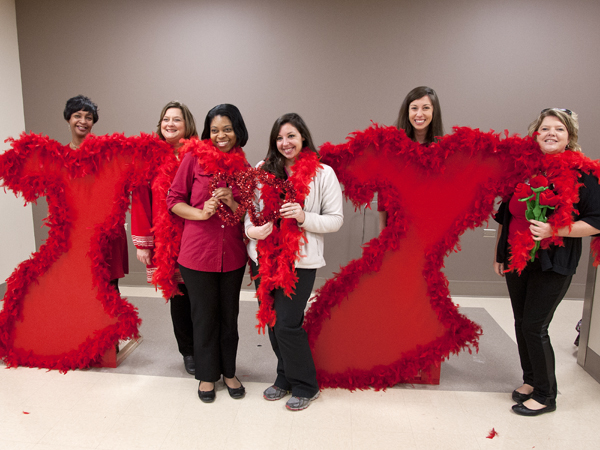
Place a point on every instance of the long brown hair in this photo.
(275, 161)
(435, 129)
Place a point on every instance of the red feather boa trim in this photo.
(518, 156)
(563, 171)
(278, 253)
(167, 229)
(214, 161)
(145, 151)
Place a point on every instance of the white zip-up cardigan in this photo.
(323, 213)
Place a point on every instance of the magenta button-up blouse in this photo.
(206, 245)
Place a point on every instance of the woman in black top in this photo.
(537, 287)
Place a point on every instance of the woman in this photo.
(176, 123)
(213, 256)
(420, 117)
(81, 114)
(537, 290)
(293, 246)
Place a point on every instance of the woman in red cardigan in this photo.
(175, 124)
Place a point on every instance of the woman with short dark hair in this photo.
(81, 114)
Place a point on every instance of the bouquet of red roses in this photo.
(539, 200)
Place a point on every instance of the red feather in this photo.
(492, 434)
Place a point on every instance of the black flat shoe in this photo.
(207, 396)
(236, 393)
(520, 398)
(189, 364)
(523, 410)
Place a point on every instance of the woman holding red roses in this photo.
(539, 246)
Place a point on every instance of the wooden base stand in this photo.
(112, 358)
(427, 376)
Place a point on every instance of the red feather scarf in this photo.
(168, 230)
(214, 161)
(278, 253)
(563, 171)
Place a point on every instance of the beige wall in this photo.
(16, 224)
(339, 63)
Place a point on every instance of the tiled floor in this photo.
(89, 410)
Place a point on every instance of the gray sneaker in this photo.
(300, 403)
(273, 393)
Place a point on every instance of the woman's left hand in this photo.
(540, 230)
(292, 211)
(225, 195)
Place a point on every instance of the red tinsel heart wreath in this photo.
(246, 182)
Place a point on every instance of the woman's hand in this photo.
(225, 195)
(292, 211)
(210, 208)
(260, 233)
(499, 268)
(540, 230)
(144, 255)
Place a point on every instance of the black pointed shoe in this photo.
(236, 393)
(523, 410)
(207, 396)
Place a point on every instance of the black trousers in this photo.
(295, 366)
(181, 316)
(535, 295)
(215, 306)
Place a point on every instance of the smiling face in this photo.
(222, 134)
(172, 126)
(553, 136)
(81, 123)
(289, 143)
(420, 113)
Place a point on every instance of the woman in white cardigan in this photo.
(293, 247)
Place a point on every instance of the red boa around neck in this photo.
(169, 229)
(563, 171)
(278, 253)
(214, 161)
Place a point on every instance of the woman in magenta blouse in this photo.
(212, 258)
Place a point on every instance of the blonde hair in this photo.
(568, 119)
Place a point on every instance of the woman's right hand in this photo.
(210, 207)
(499, 268)
(260, 233)
(144, 255)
